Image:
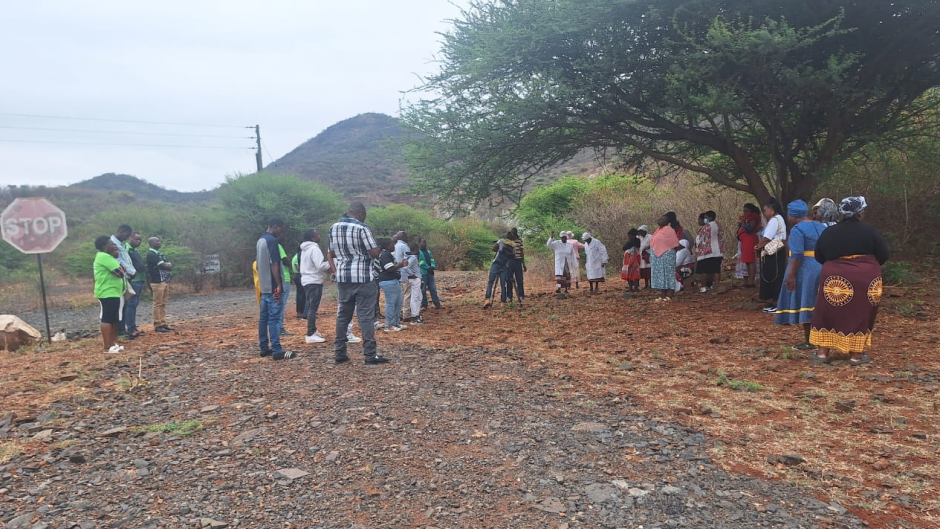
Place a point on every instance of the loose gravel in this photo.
(214, 436)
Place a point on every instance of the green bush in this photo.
(250, 200)
(898, 273)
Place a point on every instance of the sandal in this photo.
(816, 359)
(864, 359)
(805, 347)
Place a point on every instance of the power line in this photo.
(127, 132)
(128, 144)
(42, 116)
(265, 146)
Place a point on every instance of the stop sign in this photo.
(33, 225)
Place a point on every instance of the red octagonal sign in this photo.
(33, 225)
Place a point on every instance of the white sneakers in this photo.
(314, 338)
(115, 349)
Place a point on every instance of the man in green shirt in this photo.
(109, 290)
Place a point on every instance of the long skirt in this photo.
(663, 270)
(797, 306)
(772, 273)
(631, 265)
(847, 304)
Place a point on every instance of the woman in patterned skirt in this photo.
(663, 258)
(851, 253)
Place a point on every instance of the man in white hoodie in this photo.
(314, 270)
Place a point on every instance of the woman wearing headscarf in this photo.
(663, 258)
(749, 225)
(798, 295)
(851, 254)
(772, 264)
(645, 270)
(574, 258)
(827, 212)
(563, 259)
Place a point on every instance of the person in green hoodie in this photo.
(109, 290)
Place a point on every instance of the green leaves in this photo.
(758, 95)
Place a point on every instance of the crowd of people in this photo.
(120, 275)
(823, 273)
(400, 267)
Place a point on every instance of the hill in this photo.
(360, 158)
(111, 182)
(357, 157)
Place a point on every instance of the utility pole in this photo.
(258, 150)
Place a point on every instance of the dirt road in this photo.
(482, 419)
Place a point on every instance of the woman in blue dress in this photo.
(801, 285)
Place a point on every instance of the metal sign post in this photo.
(42, 287)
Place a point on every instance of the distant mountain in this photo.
(111, 182)
(357, 157)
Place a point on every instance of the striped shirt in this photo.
(517, 249)
(350, 242)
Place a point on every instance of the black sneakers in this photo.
(341, 359)
(286, 355)
(375, 360)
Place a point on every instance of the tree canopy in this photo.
(762, 96)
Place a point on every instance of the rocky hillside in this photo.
(358, 157)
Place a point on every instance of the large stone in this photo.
(113, 432)
(290, 473)
(601, 492)
(552, 505)
(590, 427)
(245, 437)
(209, 523)
(16, 333)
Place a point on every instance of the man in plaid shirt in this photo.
(352, 248)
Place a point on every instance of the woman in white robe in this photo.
(595, 259)
(563, 257)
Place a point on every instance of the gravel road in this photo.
(179, 308)
(468, 437)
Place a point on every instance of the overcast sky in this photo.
(293, 67)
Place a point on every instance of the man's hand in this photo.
(277, 294)
(524, 269)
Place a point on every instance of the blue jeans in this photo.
(429, 283)
(285, 296)
(128, 324)
(269, 324)
(393, 302)
(500, 271)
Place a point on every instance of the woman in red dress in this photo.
(749, 225)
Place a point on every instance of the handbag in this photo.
(129, 291)
(772, 247)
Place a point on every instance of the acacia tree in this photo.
(763, 96)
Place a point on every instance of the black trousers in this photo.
(301, 296)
